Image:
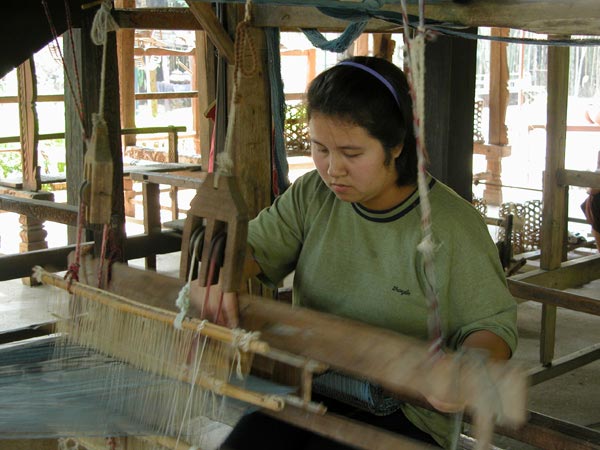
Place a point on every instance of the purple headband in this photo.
(375, 74)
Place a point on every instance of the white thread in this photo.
(183, 299)
(183, 303)
(241, 342)
(248, 11)
(201, 326)
(37, 273)
(103, 23)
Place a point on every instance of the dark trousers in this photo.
(258, 431)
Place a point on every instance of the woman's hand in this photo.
(213, 304)
(448, 398)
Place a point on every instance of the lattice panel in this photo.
(526, 237)
(480, 205)
(296, 130)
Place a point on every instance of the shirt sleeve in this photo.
(472, 288)
(277, 233)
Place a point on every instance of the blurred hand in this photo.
(445, 393)
(219, 307)
(445, 405)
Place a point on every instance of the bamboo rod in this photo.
(129, 306)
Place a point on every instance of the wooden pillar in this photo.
(91, 70)
(249, 131)
(204, 79)
(554, 213)
(33, 235)
(498, 103)
(383, 45)
(173, 157)
(125, 52)
(125, 47)
(152, 220)
(311, 64)
(74, 132)
(360, 47)
(449, 105)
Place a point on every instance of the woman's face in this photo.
(351, 163)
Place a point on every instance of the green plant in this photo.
(10, 162)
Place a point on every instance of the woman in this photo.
(350, 230)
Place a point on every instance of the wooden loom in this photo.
(307, 341)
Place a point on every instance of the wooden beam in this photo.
(547, 432)
(565, 364)
(555, 297)
(293, 18)
(56, 259)
(159, 51)
(41, 210)
(580, 178)
(570, 274)
(347, 431)
(165, 96)
(207, 18)
(540, 16)
(156, 19)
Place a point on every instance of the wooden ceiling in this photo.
(26, 27)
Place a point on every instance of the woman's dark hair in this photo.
(359, 97)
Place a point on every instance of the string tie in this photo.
(183, 303)
(201, 326)
(103, 23)
(241, 343)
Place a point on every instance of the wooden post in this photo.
(173, 157)
(204, 76)
(74, 133)
(152, 219)
(125, 47)
(91, 57)
(498, 103)
(211, 24)
(383, 45)
(33, 235)
(554, 213)
(361, 46)
(249, 131)
(449, 105)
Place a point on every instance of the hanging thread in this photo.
(76, 94)
(415, 74)
(103, 23)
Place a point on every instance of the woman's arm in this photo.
(497, 348)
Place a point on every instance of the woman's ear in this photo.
(396, 151)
